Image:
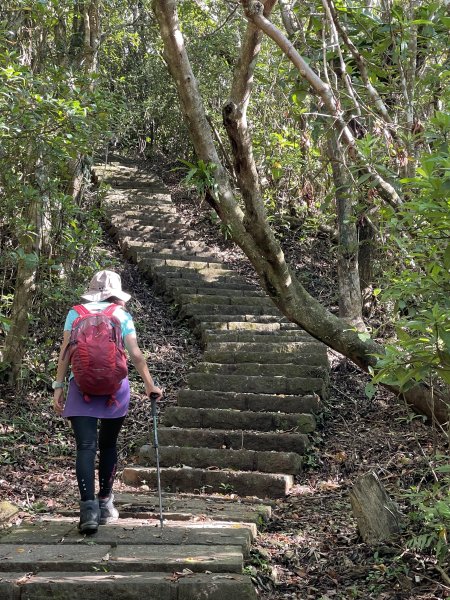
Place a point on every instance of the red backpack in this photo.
(97, 356)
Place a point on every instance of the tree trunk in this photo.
(366, 250)
(30, 244)
(251, 230)
(350, 304)
(288, 18)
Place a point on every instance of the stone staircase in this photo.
(240, 426)
(242, 423)
(198, 555)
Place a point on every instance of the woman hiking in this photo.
(89, 342)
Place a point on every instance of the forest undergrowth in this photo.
(310, 549)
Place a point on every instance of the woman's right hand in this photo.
(58, 401)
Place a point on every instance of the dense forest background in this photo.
(303, 121)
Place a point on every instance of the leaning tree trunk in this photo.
(251, 230)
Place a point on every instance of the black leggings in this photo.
(85, 430)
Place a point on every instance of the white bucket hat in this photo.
(103, 285)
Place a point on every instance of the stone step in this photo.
(265, 370)
(240, 356)
(233, 286)
(256, 323)
(230, 310)
(140, 196)
(272, 345)
(237, 439)
(253, 402)
(204, 277)
(168, 223)
(202, 324)
(129, 208)
(191, 264)
(216, 418)
(123, 558)
(126, 200)
(134, 532)
(257, 384)
(226, 300)
(146, 233)
(246, 291)
(188, 507)
(131, 247)
(161, 257)
(118, 230)
(198, 266)
(207, 458)
(261, 485)
(267, 335)
(126, 586)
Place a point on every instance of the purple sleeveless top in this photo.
(98, 407)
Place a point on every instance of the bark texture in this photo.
(377, 516)
(350, 303)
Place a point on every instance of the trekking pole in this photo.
(153, 398)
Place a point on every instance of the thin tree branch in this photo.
(361, 62)
(254, 12)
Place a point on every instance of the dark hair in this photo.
(115, 300)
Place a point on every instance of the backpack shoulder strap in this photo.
(81, 310)
(109, 310)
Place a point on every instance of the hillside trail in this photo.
(240, 428)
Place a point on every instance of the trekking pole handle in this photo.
(153, 398)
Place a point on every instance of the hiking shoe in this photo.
(89, 516)
(108, 512)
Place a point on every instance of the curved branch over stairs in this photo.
(251, 231)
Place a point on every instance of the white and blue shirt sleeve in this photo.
(126, 320)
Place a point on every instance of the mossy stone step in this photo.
(225, 300)
(141, 252)
(249, 402)
(64, 531)
(239, 460)
(131, 246)
(243, 483)
(257, 384)
(231, 310)
(187, 507)
(234, 439)
(205, 276)
(247, 369)
(269, 335)
(240, 291)
(257, 323)
(230, 284)
(130, 208)
(307, 346)
(167, 223)
(125, 586)
(123, 558)
(124, 200)
(169, 229)
(184, 264)
(216, 418)
(145, 233)
(243, 357)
